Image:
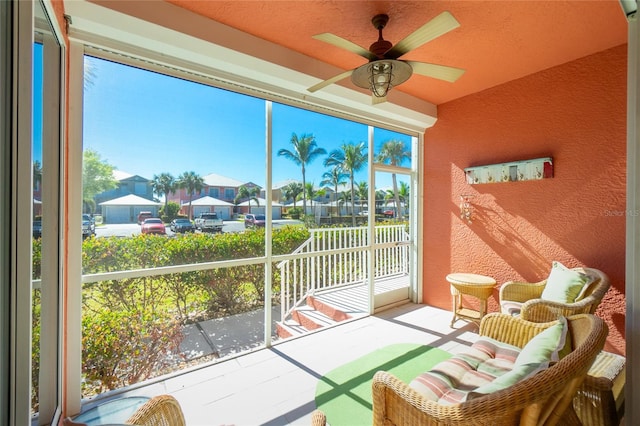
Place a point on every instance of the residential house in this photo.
(207, 204)
(216, 186)
(128, 184)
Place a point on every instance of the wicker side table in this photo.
(478, 286)
(600, 399)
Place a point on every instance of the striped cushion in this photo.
(452, 380)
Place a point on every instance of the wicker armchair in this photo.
(543, 399)
(318, 418)
(538, 310)
(161, 410)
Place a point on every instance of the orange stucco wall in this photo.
(575, 113)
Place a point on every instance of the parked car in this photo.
(209, 222)
(143, 215)
(88, 226)
(181, 225)
(153, 225)
(253, 220)
(388, 213)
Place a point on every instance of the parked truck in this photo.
(209, 222)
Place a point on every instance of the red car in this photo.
(254, 220)
(153, 225)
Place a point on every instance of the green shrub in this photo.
(124, 347)
(131, 326)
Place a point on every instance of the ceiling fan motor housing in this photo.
(380, 47)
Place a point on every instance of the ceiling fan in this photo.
(384, 70)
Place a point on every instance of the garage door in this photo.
(197, 210)
(118, 214)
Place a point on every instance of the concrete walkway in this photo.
(226, 336)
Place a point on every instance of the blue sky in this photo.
(146, 123)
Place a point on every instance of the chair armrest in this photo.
(520, 291)
(395, 403)
(540, 310)
(509, 329)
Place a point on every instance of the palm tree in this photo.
(362, 192)
(404, 194)
(192, 182)
(350, 158)
(394, 152)
(312, 194)
(291, 192)
(334, 177)
(381, 197)
(249, 193)
(163, 184)
(305, 150)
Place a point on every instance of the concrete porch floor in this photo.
(276, 386)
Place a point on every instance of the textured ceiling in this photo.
(497, 41)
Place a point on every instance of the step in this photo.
(327, 309)
(310, 318)
(289, 328)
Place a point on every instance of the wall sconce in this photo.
(466, 209)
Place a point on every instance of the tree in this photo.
(362, 192)
(164, 184)
(312, 194)
(37, 174)
(343, 197)
(191, 182)
(404, 194)
(170, 211)
(97, 177)
(333, 178)
(394, 152)
(292, 191)
(248, 193)
(350, 158)
(305, 150)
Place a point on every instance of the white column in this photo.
(72, 239)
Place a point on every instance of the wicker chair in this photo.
(318, 418)
(161, 410)
(543, 399)
(538, 310)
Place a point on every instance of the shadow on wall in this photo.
(497, 230)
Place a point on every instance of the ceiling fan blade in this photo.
(345, 44)
(441, 72)
(332, 80)
(436, 27)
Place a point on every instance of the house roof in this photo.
(130, 200)
(120, 175)
(261, 202)
(283, 183)
(213, 179)
(208, 201)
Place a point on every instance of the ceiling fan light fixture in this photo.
(381, 75)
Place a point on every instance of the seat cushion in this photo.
(536, 356)
(489, 366)
(564, 284)
(450, 381)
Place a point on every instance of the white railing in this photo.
(333, 257)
